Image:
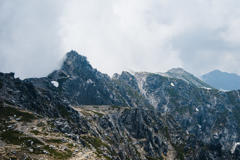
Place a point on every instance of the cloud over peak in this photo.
(197, 35)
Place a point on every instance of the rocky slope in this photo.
(222, 80)
(179, 73)
(139, 116)
(80, 84)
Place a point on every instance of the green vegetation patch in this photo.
(180, 151)
(35, 132)
(126, 109)
(54, 141)
(16, 138)
(65, 113)
(98, 114)
(115, 107)
(167, 132)
(41, 124)
(107, 158)
(151, 158)
(129, 140)
(95, 142)
(56, 154)
(9, 103)
(8, 111)
(70, 145)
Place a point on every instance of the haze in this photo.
(138, 35)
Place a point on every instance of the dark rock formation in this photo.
(169, 117)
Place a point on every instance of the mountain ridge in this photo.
(180, 73)
(130, 116)
(222, 80)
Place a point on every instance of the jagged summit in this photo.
(75, 63)
(74, 56)
(137, 116)
(72, 53)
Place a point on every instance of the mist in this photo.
(155, 36)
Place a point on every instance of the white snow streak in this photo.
(55, 83)
(234, 147)
(141, 80)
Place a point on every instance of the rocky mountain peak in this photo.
(176, 70)
(72, 53)
(76, 64)
(73, 57)
(180, 73)
(131, 116)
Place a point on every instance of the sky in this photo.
(139, 35)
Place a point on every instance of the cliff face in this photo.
(208, 114)
(130, 116)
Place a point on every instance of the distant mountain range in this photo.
(77, 111)
(214, 79)
(222, 80)
(179, 73)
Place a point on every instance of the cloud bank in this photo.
(153, 35)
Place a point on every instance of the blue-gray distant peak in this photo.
(222, 80)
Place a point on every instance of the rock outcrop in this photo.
(130, 116)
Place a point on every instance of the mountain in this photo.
(81, 84)
(222, 80)
(77, 112)
(179, 73)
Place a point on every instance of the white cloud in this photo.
(232, 34)
(120, 34)
(29, 37)
(149, 35)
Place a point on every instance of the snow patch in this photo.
(172, 84)
(89, 81)
(55, 83)
(223, 90)
(206, 88)
(234, 147)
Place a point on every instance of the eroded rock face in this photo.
(168, 115)
(25, 95)
(201, 112)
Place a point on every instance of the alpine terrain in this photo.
(77, 112)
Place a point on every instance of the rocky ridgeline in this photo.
(205, 113)
(132, 116)
(179, 73)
